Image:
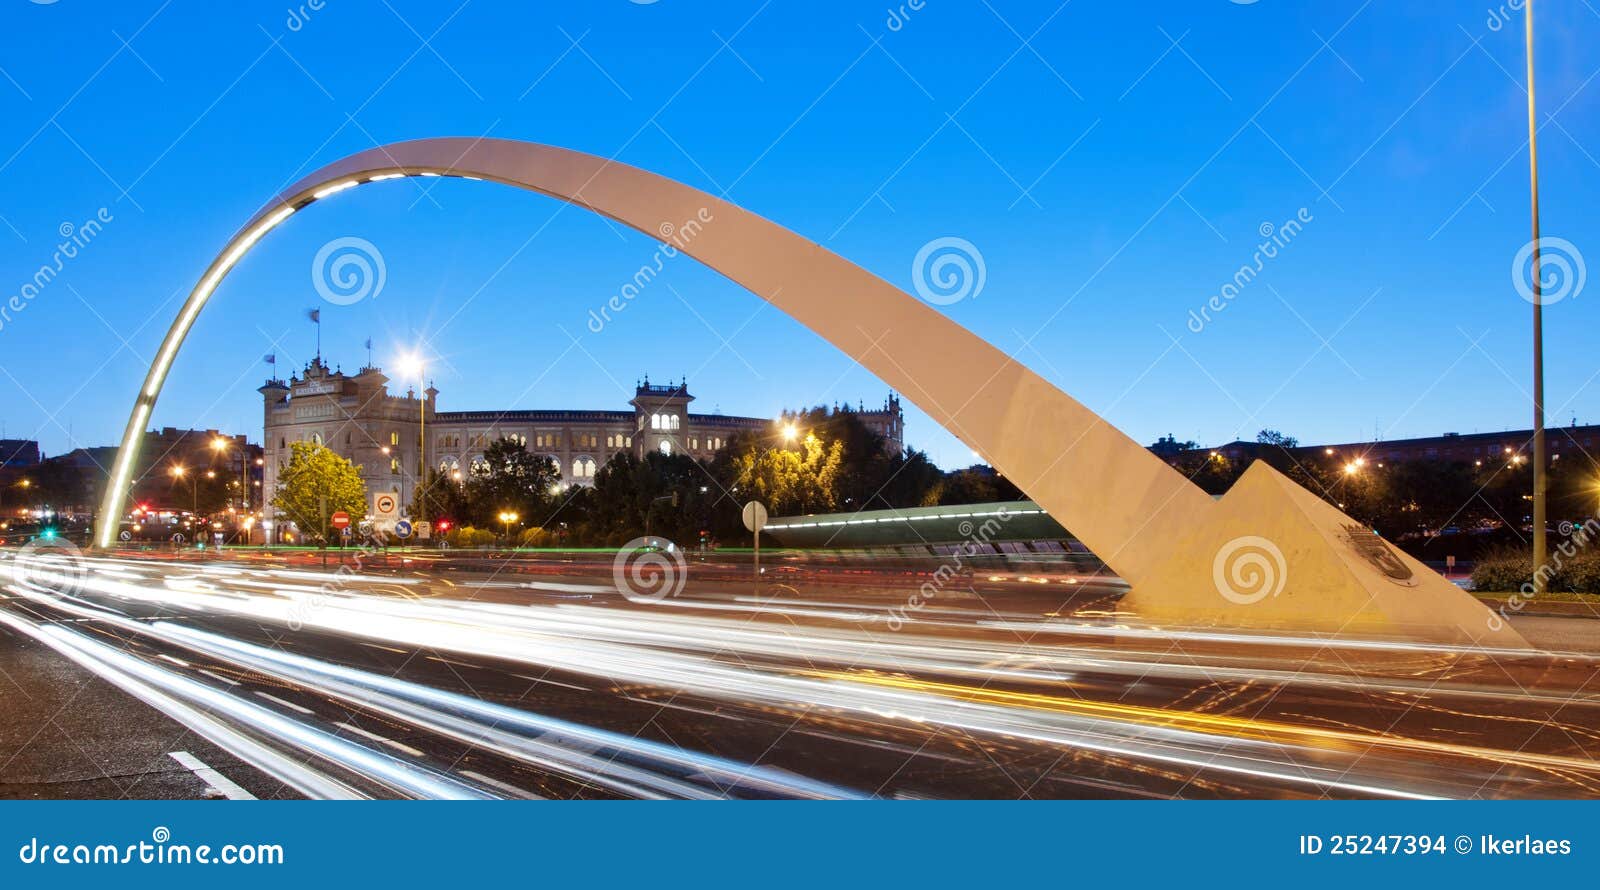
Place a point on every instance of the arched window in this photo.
(666, 446)
(675, 419)
(655, 421)
(316, 439)
(583, 468)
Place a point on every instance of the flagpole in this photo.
(1540, 479)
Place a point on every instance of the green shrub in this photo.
(1503, 571)
(1509, 570)
(536, 537)
(467, 537)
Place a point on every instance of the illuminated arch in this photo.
(992, 403)
(1142, 517)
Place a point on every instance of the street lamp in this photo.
(1540, 481)
(178, 472)
(508, 517)
(411, 365)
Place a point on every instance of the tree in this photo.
(1273, 437)
(316, 484)
(510, 478)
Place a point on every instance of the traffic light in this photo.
(442, 525)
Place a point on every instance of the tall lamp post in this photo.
(410, 366)
(178, 472)
(1540, 479)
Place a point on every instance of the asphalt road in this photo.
(422, 677)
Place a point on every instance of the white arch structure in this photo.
(1150, 524)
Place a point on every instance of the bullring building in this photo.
(357, 417)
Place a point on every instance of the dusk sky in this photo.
(1114, 164)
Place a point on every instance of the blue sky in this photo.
(1113, 164)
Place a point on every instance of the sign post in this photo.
(755, 519)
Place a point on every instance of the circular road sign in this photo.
(340, 520)
(384, 503)
(402, 529)
(755, 516)
(125, 536)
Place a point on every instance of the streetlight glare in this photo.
(410, 365)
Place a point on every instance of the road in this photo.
(468, 677)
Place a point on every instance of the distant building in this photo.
(1471, 448)
(19, 453)
(358, 418)
(238, 464)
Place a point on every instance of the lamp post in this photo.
(1540, 479)
(507, 517)
(413, 365)
(221, 446)
(178, 472)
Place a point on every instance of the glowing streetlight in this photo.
(790, 432)
(411, 365)
(507, 517)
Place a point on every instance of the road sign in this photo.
(385, 505)
(402, 529)
(755, 516)
(755, 519)
(340, 520)
(126, 536)
(424, 530)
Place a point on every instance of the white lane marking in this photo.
(174, 660)
(214, 780)
(287, 704)
(510, 789)
(398, 746)
(551, 682)
(568, 588)
(219, 677)
(385, 648)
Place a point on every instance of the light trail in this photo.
(824, 663)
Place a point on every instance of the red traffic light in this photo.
(442, 525)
